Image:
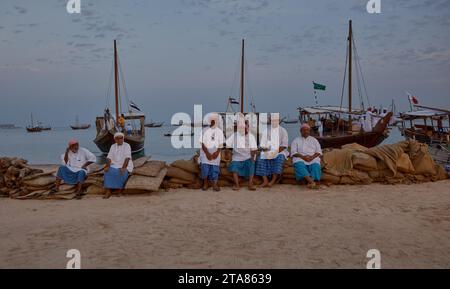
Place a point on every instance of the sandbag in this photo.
(405, 165)
(95, 190)
(150, 169)
(189, 166)
(224, 172)
(421, 159)
(338, 162)
(388, 154)
(330, 179)
(178, 173)
(137, 163)
(364, 162)
(139, 184)
(41, 181)
(179, 181)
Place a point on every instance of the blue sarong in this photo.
(302, 170)
(114, 180)
(209, 172)
(242, 168)
(269, 167)
(69, 177)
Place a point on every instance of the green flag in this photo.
(318, 86)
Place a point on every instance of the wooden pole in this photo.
(350, 40)
(242, 75)
(116, 80)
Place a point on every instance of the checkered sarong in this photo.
(270, 167)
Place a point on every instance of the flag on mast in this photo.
(318, 86)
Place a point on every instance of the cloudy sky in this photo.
(179, 53)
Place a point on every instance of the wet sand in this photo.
(285, 227)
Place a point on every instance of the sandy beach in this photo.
(285, 227)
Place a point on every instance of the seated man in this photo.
(212, 143)
(74, 167)
(118, 166)
(244, 149)
(305, 153)
(274, 144)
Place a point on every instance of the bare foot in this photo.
(205, 186)
(236, 188)
(107, 194)
(216, 187)
(251, 188)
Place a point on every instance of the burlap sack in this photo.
(404, 164)
(178, 173)
(330, 179)
(179, 181)
(364, 162)
(42, 181)
(150, 169)
(95, 190)
(189, 166)
(141, 184)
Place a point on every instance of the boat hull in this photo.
(105, 140)
(79, 127)
(367, 139)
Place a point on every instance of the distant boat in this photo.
(154, 124)
(36, 128)
(288, 120)
(106, 130)
(170, 134)
(78, 126)
(8, 126)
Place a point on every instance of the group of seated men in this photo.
(75, 162)
(248, 160)
(267, 161)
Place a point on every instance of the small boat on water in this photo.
(38, 127)
(79, 126)
(154, 124)
(107, 126)
(340, 125)
(288, 120)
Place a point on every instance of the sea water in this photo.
(46, 147)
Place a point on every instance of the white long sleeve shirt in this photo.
(307, 147)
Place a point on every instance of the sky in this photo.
(178, 53)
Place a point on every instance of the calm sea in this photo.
(46, 147)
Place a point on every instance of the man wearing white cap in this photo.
(118, 165)
(73, 170)
(211, 142)
(305, 153)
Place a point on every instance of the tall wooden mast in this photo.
(116, 80)
(350, 41)
(242, 76)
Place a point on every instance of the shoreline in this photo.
(282, 227)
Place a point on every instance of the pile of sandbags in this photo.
(404, 162)
(21, 181)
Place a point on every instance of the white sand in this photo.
(285, 227)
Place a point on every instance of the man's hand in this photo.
(215, 155)
(106, 168)
(122, 171)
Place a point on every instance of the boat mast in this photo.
(242, 76)
(350, 40)
(32, 122)
(116, 80)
